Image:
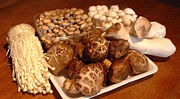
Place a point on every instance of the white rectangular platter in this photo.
(58, 82)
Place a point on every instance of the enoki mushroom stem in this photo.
(30, 69)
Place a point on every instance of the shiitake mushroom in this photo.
(74, 67)
(89, 80)
(138, 61)
(78, 49)
(133, 63)
(96, 50)
(94, 33)
(59, 56)
(118, 48)
(119, 70)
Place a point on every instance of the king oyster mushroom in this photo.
(141, 27)
(96, 49)
(88, 81)
(59, 56)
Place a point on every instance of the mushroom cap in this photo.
(118, 48)
(119, 71)
(90, 79)
(138, 61)
(129, 11)
(96, 49)
(60, 55)
(141, 27)
(74, 67)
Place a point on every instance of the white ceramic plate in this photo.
(58, 83)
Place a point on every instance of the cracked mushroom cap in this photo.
(96, 49)
(118, 48)
(89, 80)
(138, 61)
(59, 56)
(74, 67)
(94, 33)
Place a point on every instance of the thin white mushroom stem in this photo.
(30, 69)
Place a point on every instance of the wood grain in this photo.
(165, 84)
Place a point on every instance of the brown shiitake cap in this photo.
(118, 71)
(118, 48)
(62, 55)
(138, 61)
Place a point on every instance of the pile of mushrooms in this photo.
(99, 56)
(143, 35)
(58, 24)
(113, 15)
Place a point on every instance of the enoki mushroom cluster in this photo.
(30, 69)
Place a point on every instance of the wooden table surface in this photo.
(165, 84)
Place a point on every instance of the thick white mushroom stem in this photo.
(30, 69)
(161, 47)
